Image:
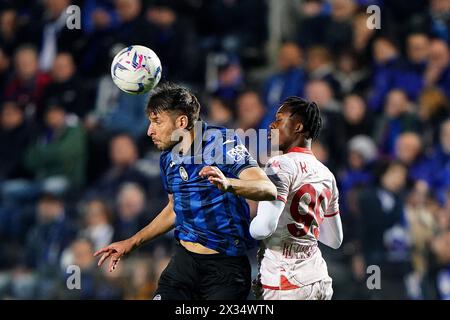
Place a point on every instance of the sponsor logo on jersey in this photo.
(239, 152)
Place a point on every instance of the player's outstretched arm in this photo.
(252, 184)
(331, 233)
(163, 222)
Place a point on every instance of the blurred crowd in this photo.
(77, 170)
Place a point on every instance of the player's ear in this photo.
(298, 127)
(182, 122)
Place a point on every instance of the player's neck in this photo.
(301, 143)
(187, 141)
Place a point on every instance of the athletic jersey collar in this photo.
(300, 150)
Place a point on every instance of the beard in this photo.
(161, 146)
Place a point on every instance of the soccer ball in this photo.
(136, 69)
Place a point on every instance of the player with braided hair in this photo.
(306, 211)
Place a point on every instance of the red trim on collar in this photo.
(301, 150)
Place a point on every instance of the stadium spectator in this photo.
(46, 242)
(9, 30)
(382, 237)
(98, 14)
(322, 153)
(66, 88)
(130, 217)
(386, 58)
(15, 135)
(174, 39)
(362, 36)
(398, 117)
(250, 110)
(356, 177)
(350, 76)
(420, 214)
(410, 76)
(323, 95)
(220, 112)
(93, 283)
(132, 28)
(314, 16)
(440, 161)
(116, 111)
(142, 285)
(320, 92)
(361, 155)
(440, 255)
(331, 21)
(230, 78)
(113, 30)
(434, 108)
(99, 19)
(51, 34)
(402, 19)
(288, 81)
(440, 22)
(355, 119)
(235, 26)
(28, 84)
(123, 155)
(97, 226)
(339, 29)
(437, 72)
(320, 66)
(409, 151)
(58, 157)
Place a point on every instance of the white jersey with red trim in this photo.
(309, 190)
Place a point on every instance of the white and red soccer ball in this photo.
(136, 69)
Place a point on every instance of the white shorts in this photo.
(320, 290)
(293, 278)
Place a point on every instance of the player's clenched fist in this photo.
(216, 177)
(115, 251)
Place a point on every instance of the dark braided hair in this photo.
(309, 113)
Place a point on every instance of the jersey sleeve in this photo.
(281, 172)
(333, 208)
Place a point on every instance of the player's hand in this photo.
(216, 177)
(115, 251)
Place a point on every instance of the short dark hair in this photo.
(383, 166)
(174, 98)
(309, 113)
